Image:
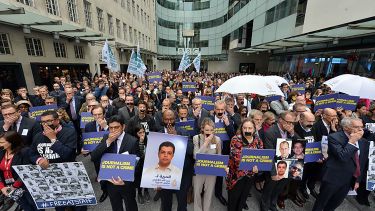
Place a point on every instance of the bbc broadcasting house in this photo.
(40, 39)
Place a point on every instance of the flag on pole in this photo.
(197, 62)
(136, 65)
(185, 61)
(109, 57)
(140, 65)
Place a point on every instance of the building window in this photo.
(123, 3)
(125, 31)
(72, 10)
(78, 51)
(110, 25)
(138, 12)
(34, 47)
(52, 7)
(118, 28)
(27, 2)
(130, 34)
(87, 8)
(128, 5)
(60, 51)
(135, 36)
(4, 44)
(133, 7)
(100, 19)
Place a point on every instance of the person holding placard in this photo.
(208, 143)
(239, 181)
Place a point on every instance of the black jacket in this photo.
(32, 127)
(20, 158)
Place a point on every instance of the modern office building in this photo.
(40, 39)
(306, 36)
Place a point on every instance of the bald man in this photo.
(304, 126)
(326, 125)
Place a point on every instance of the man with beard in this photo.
(129, 110)
(142, 118)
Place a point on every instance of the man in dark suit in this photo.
(109, 110)
(274, 186)
(220, 117)
(347, 152)
(117, 141)
(99, 124)
(24, 126)
(128, 111)
(187, 174)
(229, 109)
(197, 112)
(166, 105)
(72, 104)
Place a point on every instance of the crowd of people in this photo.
(130, 107)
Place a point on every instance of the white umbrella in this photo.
(354, 85)
(250, 84)
(277, 79)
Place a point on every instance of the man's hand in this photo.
(226, 120)
(102, 123)
(84, 152)
(356, 186)
(196, 112)
(171, 129)
(117, 181)
(113, 136)
(49, 132)
(354, 137)
(4, 190)
(334, 124)
(44, 163)
(8, 122)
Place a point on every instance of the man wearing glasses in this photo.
(274, 185)
(13, 120)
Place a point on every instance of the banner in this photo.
(86, 117)
(208, 102)
(109, 57)
(370, 180)
(188, 126)
(313, 152)
(185, 61)
(117, 165)
(155, 76)
(325, 101)
(334, 101)
(197, 62)
(163, 168)
(92, 140)
(347, 102)
(221, 132)
(300, 88)
(211, 164)
(271, 98)
(262, 158)
(61, 184)
(36, 111)
(189, 87)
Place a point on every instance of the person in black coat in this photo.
(273, 186)
(142, 118)
(13, 150)
(347, 154)
(13, 120)
(117, 141)
(187, 174)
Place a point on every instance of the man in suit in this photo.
(24, 126)
(117, 141)
(129, 110)
(197, 112)
(229, 109)
(142, 118)
(346, 152)
(274, 186)
(187, 174)
(109, 109)
(220, 117)
(72, 104)
(166, 105)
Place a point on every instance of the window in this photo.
(78, 51)
(110, 25)
(100, 19)
(118, 28)
(128, 5)
(59, 49)
(27, 2)
(138, 12)
(34, 47)
(125, 31)
(4, 44)
(52, 7)
(133, 7)
(123, 3)
(87, 8)
(130, 34)
(141, 15)
(135, 36)
(72, 10)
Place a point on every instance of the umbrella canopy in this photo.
(276, 79)
(354, 85)
(254, 84)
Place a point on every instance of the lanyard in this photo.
(8, 162)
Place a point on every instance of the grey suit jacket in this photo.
(123, 112)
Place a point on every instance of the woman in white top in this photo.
(206, 143)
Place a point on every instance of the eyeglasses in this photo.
(10, 114)
(47, 121)
(288, 122)
(295, 168)
(115, 127)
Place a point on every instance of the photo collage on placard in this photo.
(292, 154)
(371, 168)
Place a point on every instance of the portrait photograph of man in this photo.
(164, 161)
(282, 167)
(283, 149)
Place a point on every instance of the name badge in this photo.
(213, 146)
(24, 132)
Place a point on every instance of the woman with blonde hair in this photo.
(205, 143)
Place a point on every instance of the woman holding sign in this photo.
(207, 143)
(239, 181)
